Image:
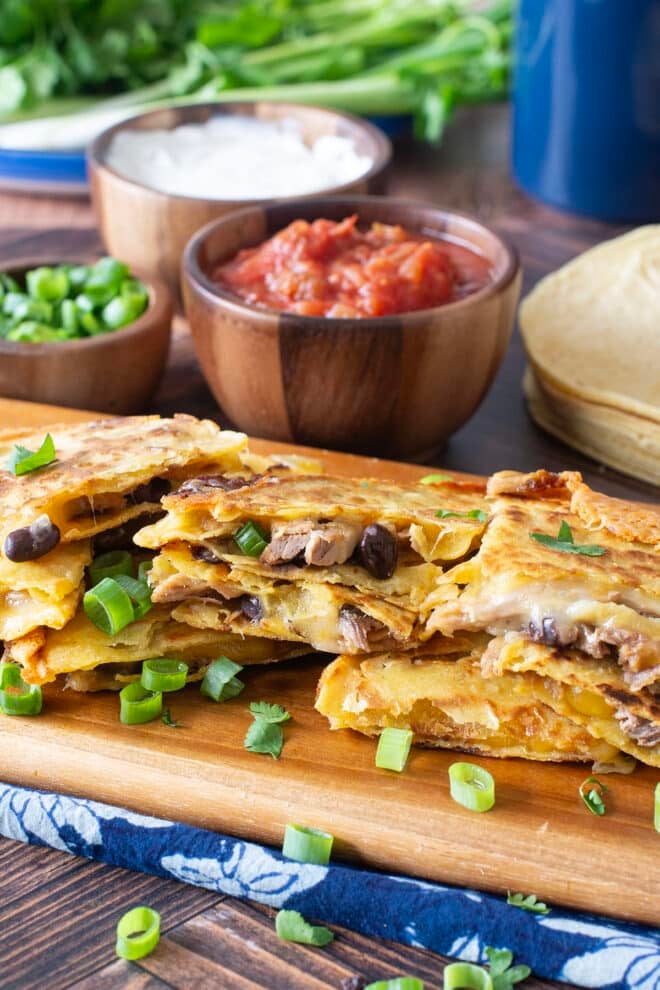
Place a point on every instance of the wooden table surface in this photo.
(57, 912)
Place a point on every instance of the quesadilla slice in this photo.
(93, 661)
(563, 566)
(342, 564)
(440, 694)
(589, 691)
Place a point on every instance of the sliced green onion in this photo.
(251, 539)
(462, 974)
(49, 284)
(307, 845)
(435, 479)
(656, 808)
(162, 674)
(139, 592)
(143, 569)
(471, 786)
(137, 705)
(393, 749)
(17, 697)
(220, 682)
(108, 606)
(292, 927)
(168, 720)
(399, 983)
(138, 933)
(23, 461)
(110, 565)
(593, 798)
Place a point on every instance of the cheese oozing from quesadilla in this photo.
(440, 694)
(347, 564)
(604, 603)
(94, 661)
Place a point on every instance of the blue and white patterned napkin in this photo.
(582, 949)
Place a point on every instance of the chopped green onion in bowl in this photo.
(70, 302)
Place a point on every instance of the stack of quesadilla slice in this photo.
(339, 564)
(107, 480)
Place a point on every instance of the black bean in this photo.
(152, 491)
(378, 551)
(197, 486)
(205, 554)
(121, 537)
(32, 542)
(252, 608)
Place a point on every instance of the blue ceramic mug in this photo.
(586, 133)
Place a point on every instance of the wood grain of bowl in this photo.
(114, 372)
(396, 386)
(150, 228)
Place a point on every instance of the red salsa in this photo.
(335, 269)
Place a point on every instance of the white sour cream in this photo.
(235, 157)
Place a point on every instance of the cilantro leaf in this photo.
(502, 973)
(478, 514)
(564, 542)
(292, 927)
(529, 903)
(168, 720)
(264, 737)
(266, 712)
(23, 461)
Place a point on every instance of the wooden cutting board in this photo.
(539, 837)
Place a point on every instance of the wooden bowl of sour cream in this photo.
(149, 227)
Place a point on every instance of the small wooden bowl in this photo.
(114, 372)
(149, 228)
(396, 386)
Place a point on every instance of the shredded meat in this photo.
(361, 632)
(178, 587)
(321, 544)
(632, 649)
(642, 730)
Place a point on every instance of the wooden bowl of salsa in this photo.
(358, 323)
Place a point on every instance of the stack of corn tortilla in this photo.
(592, 335)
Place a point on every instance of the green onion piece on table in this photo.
(467, 975)
(163, 674)
(138, 933)
(220, 682)
(17, 697)
(593, 798)
(398, 983)
(393, 749)
(108, 606)
(251, 539)
(137, 705)
(23, 461)
(292, 927)
(110, 565)
(471, 786)
(307, 845)
(139, 592)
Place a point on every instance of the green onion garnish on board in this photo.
(656, 808)
(17, 697)
(398, 983)
(527, 903)
(23, 461)
(471, 786)
(564, 542)
(220, 682)
(292, 927)
(435, 479)
(138, 933)
(251, 539)
(108, 606)
(594, 795)
(110, 565)
(137, 705)
(467, 975)
(477, 514)
(163, 674)
(393, 749)
(307, 845)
